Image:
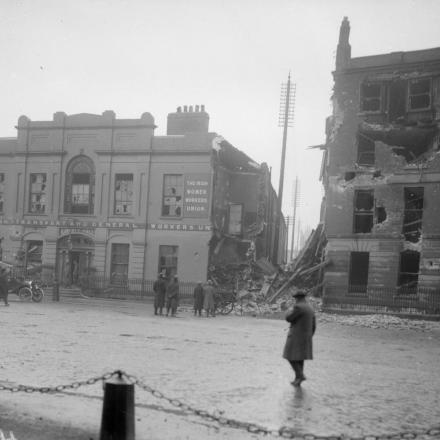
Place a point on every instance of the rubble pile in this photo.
(380, 321)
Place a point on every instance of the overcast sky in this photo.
(88, 56)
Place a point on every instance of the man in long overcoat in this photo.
(298, 347)
(159, 288)
(4, 284)
(198, 299)
(172, 294)
(208, 300)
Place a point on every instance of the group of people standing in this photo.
(166, 295)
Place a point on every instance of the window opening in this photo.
(363, 211)
(123, 194)
(37, 196)
(413, 213)
(235, 218)
(80, 186)
(409, 272)
(366, 150)
(358, 276)
(371, 97)
(172, 195)
(168, 260)
(420, 94)
(119, 263)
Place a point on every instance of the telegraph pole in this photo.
(287, 107)
(295, 202)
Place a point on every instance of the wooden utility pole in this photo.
(295, 202)
(285, 120)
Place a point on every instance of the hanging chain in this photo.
(253, 428)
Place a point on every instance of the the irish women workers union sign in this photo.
(197, 191)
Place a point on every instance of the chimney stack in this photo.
(187, 122)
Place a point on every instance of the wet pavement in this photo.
(363, 380)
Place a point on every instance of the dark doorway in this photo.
(358, 276)
(409, 272)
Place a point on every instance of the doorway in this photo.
(75, 259)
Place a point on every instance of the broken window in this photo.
(419, 94)
(172, 195)
(235, 219)
(358, 276)
(371, 97)
(123, 194)
(363, 210)
(409, 271)
(366, 150)
(37, 196)
(413, 213)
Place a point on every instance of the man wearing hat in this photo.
(159, 288)
(298, 347)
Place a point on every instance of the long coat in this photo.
(198, 297)
(159, 288)
(172, 294)
(208, 301)
(298, 345)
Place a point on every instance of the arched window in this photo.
(80, 186)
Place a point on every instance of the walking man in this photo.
(172, 294)
(159, 288)
(198, 299)
(298, 347)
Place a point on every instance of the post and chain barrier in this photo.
(253, 428)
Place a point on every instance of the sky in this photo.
(136, 56)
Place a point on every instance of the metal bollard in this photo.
(118, 410)
(55, 291)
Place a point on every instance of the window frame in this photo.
(359, 212)
(41, 193)
(129, 200)
(165, 186)
(118, 277)
(89, 170)
(409, 95)
(410, 212)
(363, 99)
(168, 269)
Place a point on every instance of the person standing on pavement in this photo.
(198, 299)
(298, 347)
(159, 288)
(172, 294)
(208, 299)
(4, 284)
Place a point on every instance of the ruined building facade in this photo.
(92, 194)
(381, 174)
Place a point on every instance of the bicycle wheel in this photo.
(225, 308)
(25, 294)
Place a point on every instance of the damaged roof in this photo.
(234, 159)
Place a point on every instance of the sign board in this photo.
(196, 196)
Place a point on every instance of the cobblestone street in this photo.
(365, 379)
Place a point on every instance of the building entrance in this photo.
(74, 258)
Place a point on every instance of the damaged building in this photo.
(89, 195)
(381, 174)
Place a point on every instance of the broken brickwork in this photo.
(381, 173)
